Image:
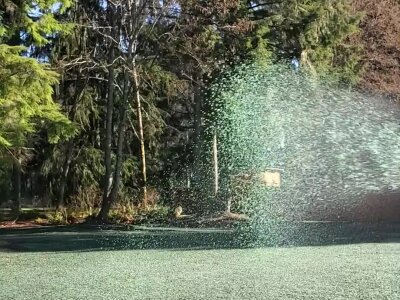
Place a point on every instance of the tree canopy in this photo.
(104, 101)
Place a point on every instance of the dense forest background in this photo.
(101, 102)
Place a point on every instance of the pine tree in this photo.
(26, 103)
(315, 32)
(26, 86)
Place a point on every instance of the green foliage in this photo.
(154, 215)
(257, 45)
(85, 175)
(26, 99)
(318, 32)
(86, 110)
(130, 214)
(86, 199)
(88, 167)
(176, 59)
(130, 172)
(59, 217)
(34, 18)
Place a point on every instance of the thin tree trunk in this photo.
(198, 173)
(17, 173)
(120, 146)
(118, 165)
(105, 205)
(109, 129)
(215, 165)
(64, 174)
(198, 104)
(228, 205)
(141, 135)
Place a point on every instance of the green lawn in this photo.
(73, 264)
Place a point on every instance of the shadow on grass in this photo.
(94, 238)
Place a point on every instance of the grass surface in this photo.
(71, 264)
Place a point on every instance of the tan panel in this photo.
(271, 178)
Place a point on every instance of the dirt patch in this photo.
(221, 220)
(20, 224)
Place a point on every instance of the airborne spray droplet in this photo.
(323, 149)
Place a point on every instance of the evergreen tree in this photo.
(315, 32)
(134, 78)
(26, 86)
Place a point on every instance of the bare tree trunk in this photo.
(228, 205)
(105, 205)
(118, 165)
(141, 135)
(215, 165)
(64, 175)
(109, 129)
(198, 104)
(131, 21)
(17, 173)
(120, 144)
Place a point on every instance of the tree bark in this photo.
(120, 146)
(109, 129)
(64, 174)
(198, 104)
(215, 165)
(17, 173)
(105, 205)
(141, 135)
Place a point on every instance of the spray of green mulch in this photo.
(331, 146)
